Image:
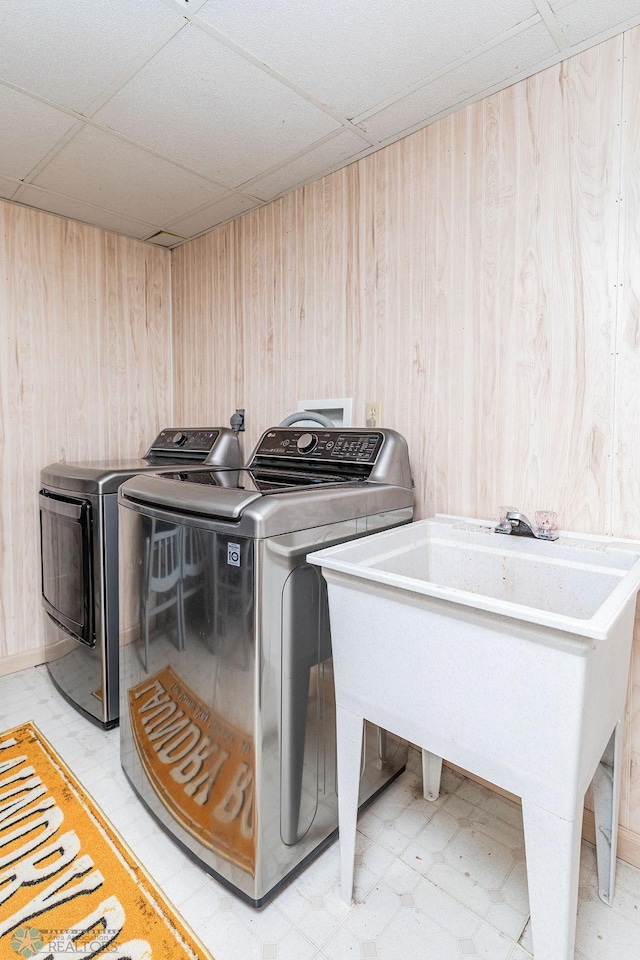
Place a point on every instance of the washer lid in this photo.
(224, 493)
(259, 506)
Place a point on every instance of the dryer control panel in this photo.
(187, 442)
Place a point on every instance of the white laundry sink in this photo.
(505, 655)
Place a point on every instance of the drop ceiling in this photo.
(160, 119)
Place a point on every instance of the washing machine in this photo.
(79, 561)
(227, 714)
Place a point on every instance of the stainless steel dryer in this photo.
(79, 561)
(227, 713)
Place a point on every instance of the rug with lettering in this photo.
(69, 885)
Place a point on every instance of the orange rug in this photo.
(69, 885)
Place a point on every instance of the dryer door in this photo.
(66, 565)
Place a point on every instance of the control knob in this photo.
(306, 442)
(179, 439)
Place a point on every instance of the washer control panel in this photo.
(330, 446)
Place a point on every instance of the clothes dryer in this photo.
(227, 716)
(79, 561)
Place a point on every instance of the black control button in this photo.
(306, 442)
(179, 439)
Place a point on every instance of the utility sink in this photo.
(506, 655)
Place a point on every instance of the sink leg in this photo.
(553, 865)
(349, 729)
(383, 746)
(606, 801)
(431, 772)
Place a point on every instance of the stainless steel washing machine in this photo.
(79, 561)
(227, 712)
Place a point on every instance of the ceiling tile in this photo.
(495, 66)
(29, 130)
(76, 210)
(354, 54)
(71, 51)
(583, 19)
(8, 187)
(101, 169)
(212, 214)
(313, 164)
(201, 104)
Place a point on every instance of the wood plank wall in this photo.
(85, 374)
(481, 278)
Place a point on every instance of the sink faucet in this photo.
(517, 524)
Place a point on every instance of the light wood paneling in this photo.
(207, 332)
(625, 420)
(85, 373)
(480, 278)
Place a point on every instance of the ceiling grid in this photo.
(164, 119)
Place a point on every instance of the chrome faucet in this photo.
(518, 525)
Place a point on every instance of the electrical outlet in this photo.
(373, 409)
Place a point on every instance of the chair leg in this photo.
(180, 614)
(144, 614)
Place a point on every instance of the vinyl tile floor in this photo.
(434, 881)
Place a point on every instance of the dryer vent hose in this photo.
(306, 415)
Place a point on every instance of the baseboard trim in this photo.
(21, 661)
